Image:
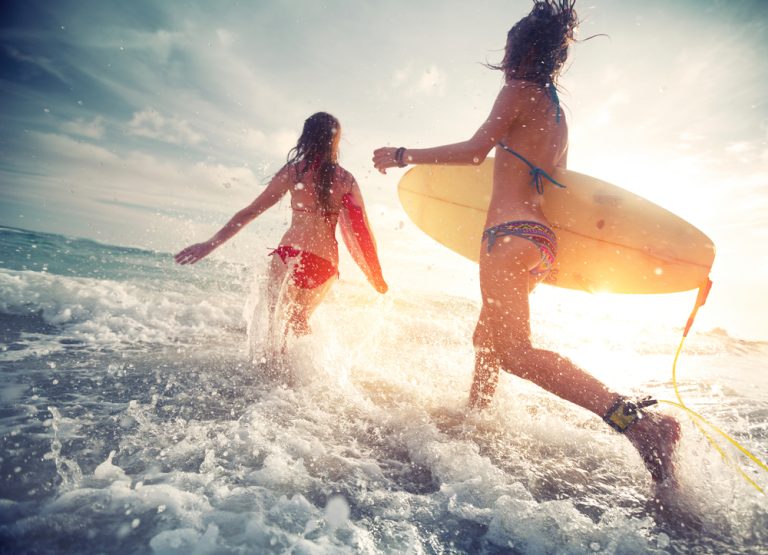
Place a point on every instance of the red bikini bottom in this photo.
(310, 270)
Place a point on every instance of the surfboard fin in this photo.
(701, 298)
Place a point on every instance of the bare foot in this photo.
(655, 437)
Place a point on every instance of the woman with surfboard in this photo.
(529, 132)
(304, 264)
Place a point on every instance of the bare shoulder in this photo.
(283, 179)
(344, 176)
(513, 97)
(524, 90)
(514, 88)
(288, 172)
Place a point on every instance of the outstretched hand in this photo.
(194, 253)
(384, 158)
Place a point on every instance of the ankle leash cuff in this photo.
(624, 413)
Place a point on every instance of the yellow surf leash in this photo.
(696, 417)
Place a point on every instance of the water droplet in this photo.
(337, 511)
(123, 531)
(476, 160)
(299, 186)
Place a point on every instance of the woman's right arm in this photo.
(474, 150)
(277, 187)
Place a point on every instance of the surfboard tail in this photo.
(360, 243)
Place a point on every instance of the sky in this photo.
(149, 123)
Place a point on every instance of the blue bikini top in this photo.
(537, 174)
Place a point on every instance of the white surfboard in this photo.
(609, 240)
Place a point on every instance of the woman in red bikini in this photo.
(528, 131)
(308, 256)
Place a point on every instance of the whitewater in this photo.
(137, 416)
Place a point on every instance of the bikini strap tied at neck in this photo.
(555, 100)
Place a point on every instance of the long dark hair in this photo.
(537, 45)
(318, 149)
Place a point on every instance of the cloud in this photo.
(740, 147)
(276, 143)
(432, 81)
(39, 62)
(427, 82)
(150, 123)
(401, 75)
(157, 43)
(93, 129)
(226, 37)
(65, 147)
(140, 178)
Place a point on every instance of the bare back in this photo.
(313, 228)
(537, 135)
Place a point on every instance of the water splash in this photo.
(69, 472)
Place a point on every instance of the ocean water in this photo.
(135, 420)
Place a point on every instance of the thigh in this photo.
(505, 282)
(286, 286)
(278, 272)
(306, 301)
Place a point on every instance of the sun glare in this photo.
(613, 316)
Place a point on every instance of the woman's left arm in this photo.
(473, 151)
